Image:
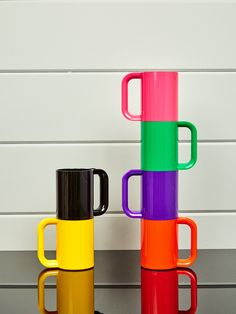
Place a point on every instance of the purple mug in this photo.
(159, 194)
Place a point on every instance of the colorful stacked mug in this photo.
(159, 170)
(74, 221)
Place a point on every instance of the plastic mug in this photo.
(159, 194)
(159, 243)
(75, 291)
(74, 244)
(75, 193)
(159, 146)
(159, 96)
(74, 222)
(160, 293)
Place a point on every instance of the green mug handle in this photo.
(193, 130)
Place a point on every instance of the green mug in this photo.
(159, 146)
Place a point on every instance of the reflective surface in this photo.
(120, 286)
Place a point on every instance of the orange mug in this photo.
(159, 243)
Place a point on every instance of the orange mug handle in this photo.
(41, 281)
(193, 279)
(193, 251)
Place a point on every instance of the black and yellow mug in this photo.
(75, 291)
(74, 222)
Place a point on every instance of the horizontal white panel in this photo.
(144, 35)
(209, 185)
(208, 100)
(28, 174)
(62, 107)
(118, 232)
(87, 106)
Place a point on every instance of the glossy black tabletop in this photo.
(117, 280)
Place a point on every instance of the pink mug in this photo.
(159, 96)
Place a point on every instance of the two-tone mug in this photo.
(159, 96)
(159, 146)
(74, 222)
(159, 194)
(159, 243)
(160, 293)
(75, 291)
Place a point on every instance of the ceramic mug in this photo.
(159, 146)
(160, 291)
(75, 291)
(159, 243)
(159, 193)
(159, 96)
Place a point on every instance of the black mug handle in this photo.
(102, 208)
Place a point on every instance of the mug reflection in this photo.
(74, 291)
(160, 291)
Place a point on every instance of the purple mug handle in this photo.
(125, 181)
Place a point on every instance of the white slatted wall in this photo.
(61, 65)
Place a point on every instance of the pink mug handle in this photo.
(124, 96)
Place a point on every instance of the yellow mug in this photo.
(75, 291)
(74, 244)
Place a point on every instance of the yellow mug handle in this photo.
(41, 281)
(44, 261)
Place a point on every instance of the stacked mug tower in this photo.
(159, 170)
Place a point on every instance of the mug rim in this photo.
(73, 170)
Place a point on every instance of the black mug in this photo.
(75, 193)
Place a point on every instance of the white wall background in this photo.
(61, 65)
